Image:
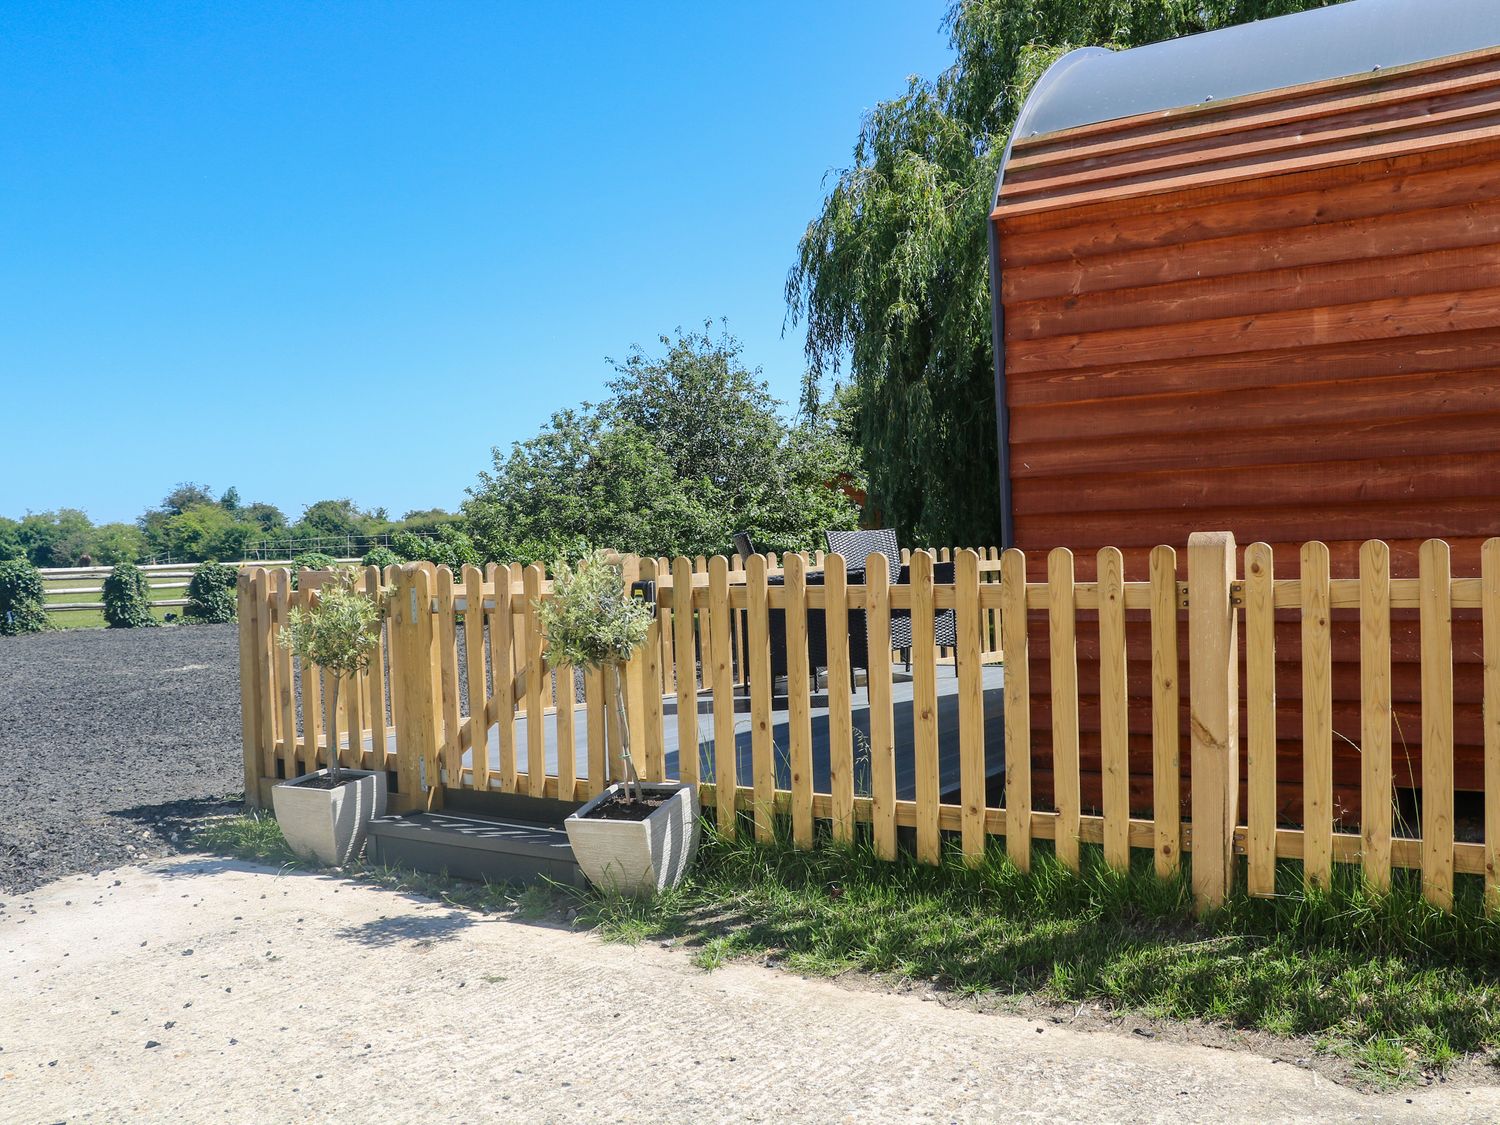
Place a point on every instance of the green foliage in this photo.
(381, 557)
(57, 538)
(314, 560)
(230, 501)
(22, 599)
(205, 531)
(689, 449)
(267, 517)
(10, 542)
(127, 598)
(340, 633)
(212, 597)
(112, 543)
(893, 273)
(338, 518)
(426, 521)
(186, 495)
(588, 621)
(449, 546)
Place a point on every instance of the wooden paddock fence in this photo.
(449, 676)
(88, 582)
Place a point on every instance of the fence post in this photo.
(250, 689)
(414, 691)
(1214, 702)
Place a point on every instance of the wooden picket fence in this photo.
(462, 668)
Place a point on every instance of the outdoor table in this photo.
(817, 628)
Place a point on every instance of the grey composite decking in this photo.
(948, 765)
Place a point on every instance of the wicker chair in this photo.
(856, 546)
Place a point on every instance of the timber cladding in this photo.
(1278, 315)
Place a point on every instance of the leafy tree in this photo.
(689, 449)
(10, 542)
(54, 538)
(426, 521)
(112, 543)
(268, 517)
(186, 495)
(892, 276)
(335, 518)
(340, 633)
(449, 547)
(230, 501)
(591, 623)
(204, 531)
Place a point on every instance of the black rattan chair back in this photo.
(856, 546)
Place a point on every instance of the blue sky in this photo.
(326, 249)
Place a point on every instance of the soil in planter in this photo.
(323, 781)
(621, 807)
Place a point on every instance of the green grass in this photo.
(94, 618)
(1389, 983)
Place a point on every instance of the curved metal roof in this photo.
(1094, 84)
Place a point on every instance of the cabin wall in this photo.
(1277, 316)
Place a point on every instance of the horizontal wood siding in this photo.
(1278, 315)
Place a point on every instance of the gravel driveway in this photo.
(108, 740)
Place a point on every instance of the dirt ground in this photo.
(207, 990)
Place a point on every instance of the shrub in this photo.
(314, 560)
(211, 594)
(311, 560)
(450, 547)
(22, 599)
(381, 557)
(127, 598)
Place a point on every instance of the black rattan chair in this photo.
(858, 545)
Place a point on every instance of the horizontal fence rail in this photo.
(814, 690)
(86, 580)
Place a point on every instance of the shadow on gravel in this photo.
(171, 821)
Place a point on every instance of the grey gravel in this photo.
(110, 740)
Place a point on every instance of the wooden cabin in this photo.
(1250, 281)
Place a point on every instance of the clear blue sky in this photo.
(320, 250)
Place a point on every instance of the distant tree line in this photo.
(191, 524)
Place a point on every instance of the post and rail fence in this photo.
(462, 698)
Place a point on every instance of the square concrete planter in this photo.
(329, 825)
(637, 857)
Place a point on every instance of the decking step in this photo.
(486, 848)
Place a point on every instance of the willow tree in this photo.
(892, 277)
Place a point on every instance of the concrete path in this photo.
(201, 990)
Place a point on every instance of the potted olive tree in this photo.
(324, 815)
(636, 837)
